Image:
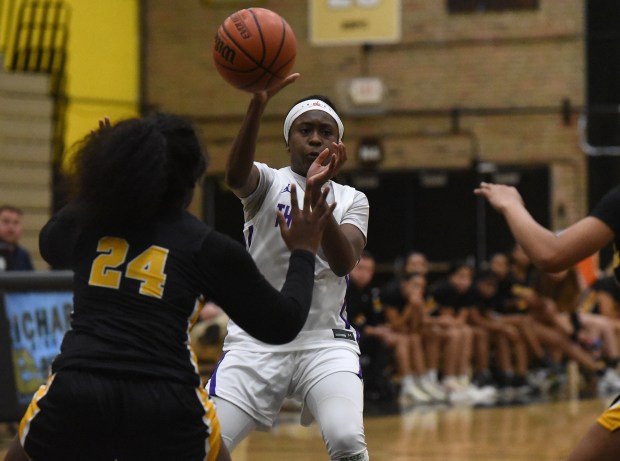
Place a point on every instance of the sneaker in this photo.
(451, 384)
(434, 390)
(415, 393)
(457, 392)
(484, 396)
(483, 378)
(552, 367)
(521, 386)
(608, 383)
(506, 395)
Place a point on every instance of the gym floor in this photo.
(543, 431)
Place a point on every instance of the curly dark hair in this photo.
(138, 169)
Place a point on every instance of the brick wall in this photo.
(508, 73)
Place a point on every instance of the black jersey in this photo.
(391, 295)
(364, 306)
(608, 285)
(137, 292)
(485, 304)
(608, 211)
(444, 294)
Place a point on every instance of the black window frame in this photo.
(477, 6)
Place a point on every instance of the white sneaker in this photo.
(434, 390)
(451, 384)
(457, 393)
(415, 393)
(609, 383)
(486, 395)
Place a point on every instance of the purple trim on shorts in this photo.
(213, 379)
(343, 309)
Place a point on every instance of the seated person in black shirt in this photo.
(507, 340)
(453, 299)
(404, 302)
(376, 340)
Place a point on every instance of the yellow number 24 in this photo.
(147, 267)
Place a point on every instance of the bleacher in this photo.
(32, 41)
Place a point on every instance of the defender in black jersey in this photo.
(125, 385)
(556, 252)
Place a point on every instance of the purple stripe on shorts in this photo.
(213, 379)
(343, 309)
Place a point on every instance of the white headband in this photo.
(305, 106)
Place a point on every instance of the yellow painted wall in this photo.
(103, 64)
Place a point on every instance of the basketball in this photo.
(254, 49)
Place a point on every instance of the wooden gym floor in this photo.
(534, 432)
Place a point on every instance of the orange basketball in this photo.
(254, 48)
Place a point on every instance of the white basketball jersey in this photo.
(327, 323)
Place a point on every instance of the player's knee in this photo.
(346, 442)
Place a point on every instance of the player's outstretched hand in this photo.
(500, 196)
(307, 223)
(264, 96)
(322, 170)
(104, 124)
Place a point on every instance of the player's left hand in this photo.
(322, 170)
(340, 151)
(328, 163)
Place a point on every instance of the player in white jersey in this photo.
(320, 367)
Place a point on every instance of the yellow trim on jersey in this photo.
(212, 423)
(588, 304)
(33, 409)
(610, 419)
(192, 321)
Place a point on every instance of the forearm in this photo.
(555, 252)
(243, 149)
(260, 306)
(538, 242)
(233, 281)
(341, 249)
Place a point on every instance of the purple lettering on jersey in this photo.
(280, 208)
(286, 211)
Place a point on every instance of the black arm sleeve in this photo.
(237, 286)
(607, 210)
(58, 237)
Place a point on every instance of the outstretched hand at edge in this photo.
(500, 196)
(266, 95)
